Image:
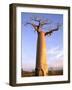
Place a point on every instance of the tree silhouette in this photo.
(41, 63)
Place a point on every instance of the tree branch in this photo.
(51, 31)
(42, 24)
(36, 19)
(34, 26)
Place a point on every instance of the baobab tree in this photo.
(41, 61)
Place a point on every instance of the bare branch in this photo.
(37, 23)
(32, 24)
(37, 19)
(51, 31)
(42, 24)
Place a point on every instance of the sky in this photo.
(54, 43)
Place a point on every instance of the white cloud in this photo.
(55, 57)
(55, 53)
(59, 55)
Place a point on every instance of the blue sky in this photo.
(54, 43)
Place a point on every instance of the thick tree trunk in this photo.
(41, 62)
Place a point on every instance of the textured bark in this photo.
(41, 63)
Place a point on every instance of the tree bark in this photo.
(41, 60)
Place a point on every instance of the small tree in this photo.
(41, 62)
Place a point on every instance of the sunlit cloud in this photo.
(55, 57)
(55, 53)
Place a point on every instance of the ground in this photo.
(50, 73)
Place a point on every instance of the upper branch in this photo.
(40, 21)
(45, 22)
(34, 26)
(51, 31)
(37, 19)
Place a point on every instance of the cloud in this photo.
(55, 57)
(55, 53)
